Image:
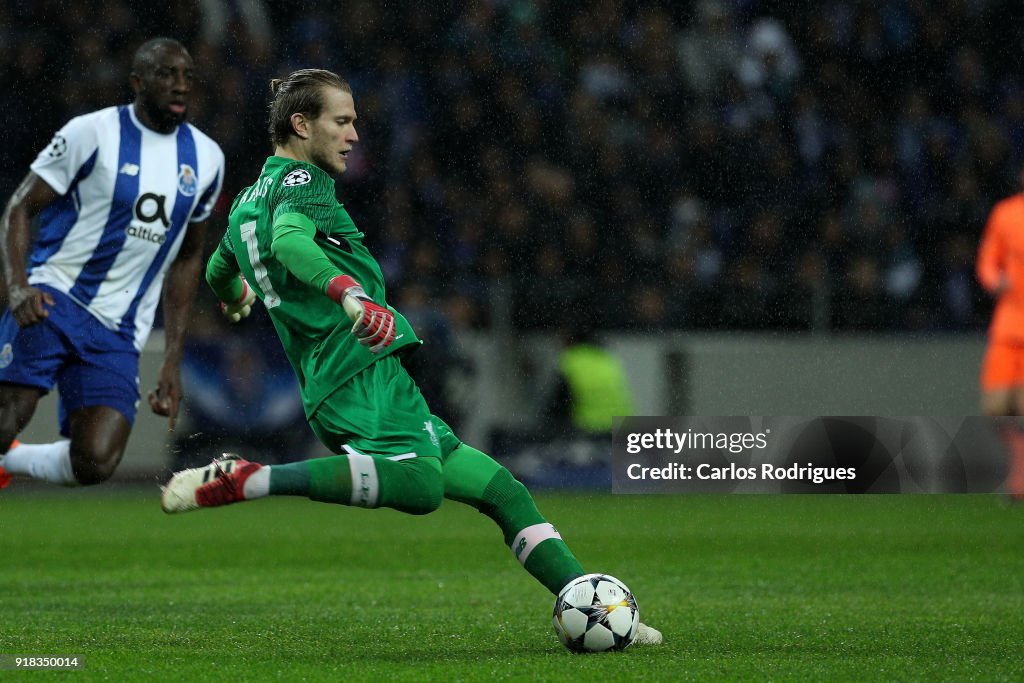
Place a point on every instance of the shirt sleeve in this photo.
(222, 272)
(304, 203)
(209, 199)
(310, 194)
(294, 246)
(71, 150)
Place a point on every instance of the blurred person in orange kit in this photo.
(1000, 270)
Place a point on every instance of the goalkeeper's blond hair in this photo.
(302, 92)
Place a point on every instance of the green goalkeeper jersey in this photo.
(289, 236)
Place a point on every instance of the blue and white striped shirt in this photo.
(128, 194)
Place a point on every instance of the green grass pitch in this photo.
(744, 587)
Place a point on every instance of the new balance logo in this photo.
(129, 169)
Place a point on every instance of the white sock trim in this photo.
(365, 484)
(530, 537)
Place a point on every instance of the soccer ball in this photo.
(596, 613)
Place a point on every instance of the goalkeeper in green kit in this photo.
(292, 245)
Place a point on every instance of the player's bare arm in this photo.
(178, 293)
(27, 304)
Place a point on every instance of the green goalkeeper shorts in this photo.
(381, 413)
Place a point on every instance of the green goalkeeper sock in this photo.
(536, 544)
(324, 479)
(474, 478)
(414, 485)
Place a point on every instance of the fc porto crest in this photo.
(6, 356)
(187, 181)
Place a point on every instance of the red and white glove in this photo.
(241, 308)
(373, 325)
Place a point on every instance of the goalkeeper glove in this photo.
(241, 308)
(373, 325)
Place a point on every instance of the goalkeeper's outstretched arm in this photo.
(294, 246)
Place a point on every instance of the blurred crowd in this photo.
(718, 164)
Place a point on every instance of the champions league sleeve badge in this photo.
(187, 180)
(57, 147)
(299, 176)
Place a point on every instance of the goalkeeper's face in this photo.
(333, 134)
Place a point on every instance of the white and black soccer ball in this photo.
(596, 613)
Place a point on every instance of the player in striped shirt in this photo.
(121, 197)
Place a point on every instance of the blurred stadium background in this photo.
(764, 208)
